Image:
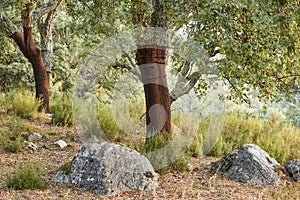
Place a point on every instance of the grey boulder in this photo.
(293, 169)
(249, 164)
(108, 169)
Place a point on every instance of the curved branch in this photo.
(244, 97)
(6, 24)
(184, 85)
(44, 9)
(118, 65)
(27, 15)
(44, 28)
(91, 9)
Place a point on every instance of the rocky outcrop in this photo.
(249, 164)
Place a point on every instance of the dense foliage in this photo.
(259, 38)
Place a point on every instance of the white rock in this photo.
(190, 167)
(33, 136)
(207, 165)
(30, 145)
(49, 115)
(62, 144)
(217, 57)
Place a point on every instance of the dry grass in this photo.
(198, 184)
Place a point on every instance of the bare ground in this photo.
(198, 184)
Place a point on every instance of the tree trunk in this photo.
(34, 55)
(152, 66)
(40, 61)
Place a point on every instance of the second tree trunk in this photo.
(152, 63)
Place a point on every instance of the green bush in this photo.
(108, 123)
(169, 159)
(293, 114)
(10, 142)
(11, 135)
(3, 106)
(2, 99)
(22, 102)
(61, 108)
(27, 176)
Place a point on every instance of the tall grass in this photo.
(11, 134)
(108, 123)
(272, 132)
(280, 140)
(61, 108)
(22, 102)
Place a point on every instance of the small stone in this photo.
(61, 177)
(33, 136)
(49, 115)
(206, 165)
(293, 169)
(30, 145)
(62, 144)
(190, 167)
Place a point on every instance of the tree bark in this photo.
(40, 60)
(33, 54)
(151, 60)
(152, 66)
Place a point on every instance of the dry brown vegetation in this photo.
(198, 184)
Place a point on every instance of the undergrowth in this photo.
(61, 108)
(22, 102)
(27, 176)
(276, 136)
(280, 140)
(11, 134)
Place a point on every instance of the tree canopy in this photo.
(259, 40)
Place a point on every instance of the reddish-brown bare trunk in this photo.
(152, 66)
(34, 55)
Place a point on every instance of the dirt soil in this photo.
(197, 184)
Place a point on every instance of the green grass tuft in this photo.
(11, 134)
(108, 123)
(22, 102)
(61, 108)
(27, 176)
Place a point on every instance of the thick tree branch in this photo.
(18, 37)
(45, 29)
(51, 14)
(118, 65)
(130, 60)
(27, 15)
(44, 9)
(184, 85)
(27, 28)
(185, 82)
(158, 18)
(6, 24)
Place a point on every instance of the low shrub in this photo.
(11, 134)
(22, 102)
(108, 123)
(27, 176)
(61, 108)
